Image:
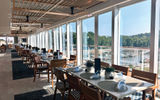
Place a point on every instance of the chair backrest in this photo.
(146, 76)
(73, 57)
(58, 63)
(50, 51)
(37, 59)
(74, 82)
(59, 74)
(104, 65)
(89, 93)
(124, 70)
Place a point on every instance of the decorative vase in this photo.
(88, 69)
(108, 75)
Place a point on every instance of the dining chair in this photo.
(105, 65)
(40, 66)
(61, 83)
(124, 70)
(50, 51)
(74, 87)
(56, 63)
(89, 93)
(73, 59)
(149, 77)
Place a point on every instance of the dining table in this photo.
(108, 85)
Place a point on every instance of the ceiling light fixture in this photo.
(72, 10)
(27, 18)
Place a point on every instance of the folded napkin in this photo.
(95, 76)
(76, 69)
(121, 86)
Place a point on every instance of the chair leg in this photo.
(144, 95)
(52, 78)
(48, 76)
(63, 96)
(39, 74)
(153, 94)
(55, 91)
(34, 76)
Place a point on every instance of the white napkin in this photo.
(121, 85)
(76, 69)
(95, 76)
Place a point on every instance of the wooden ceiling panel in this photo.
(47, 11)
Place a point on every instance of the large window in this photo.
(64, 40)
(88, 39)
(10, 40)
(135, 35)
(73, 38)
(105, 37)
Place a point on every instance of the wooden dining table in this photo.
(108, 85)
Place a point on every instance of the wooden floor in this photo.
(13, 87)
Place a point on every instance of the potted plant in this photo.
(89, 64)
(108, 72)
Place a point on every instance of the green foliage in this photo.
(89, 63)
(139, 40)
(109, 69)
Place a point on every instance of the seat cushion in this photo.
(138, 96)
(42, 68)
(75, 94)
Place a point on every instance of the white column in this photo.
(54, 34)
(96, 36)
(79, 42)
(47, 43)
(68, 42)
(155, 10)
(116, 36)
(60, 37)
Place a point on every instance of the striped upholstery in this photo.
(75, 94)
(138, 96)
(60, 85)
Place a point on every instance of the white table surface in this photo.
(118, 95)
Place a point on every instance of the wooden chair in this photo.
(50, 51)
(56, 63)
(40, 66)
(89, 93)
(104, 65)
(74, 87)
(73, 59)
(149, 77)
(124, 70)
(61, 83)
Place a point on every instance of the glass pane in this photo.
(135, 35)
(105, 37)
(64, 40)
(73, 38)
(88, 39)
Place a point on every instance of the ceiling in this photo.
(44, 13)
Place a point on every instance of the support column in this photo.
(155, 10)
(79, 42)
(116, 36)
(60, 37)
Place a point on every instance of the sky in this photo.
(134, 19)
